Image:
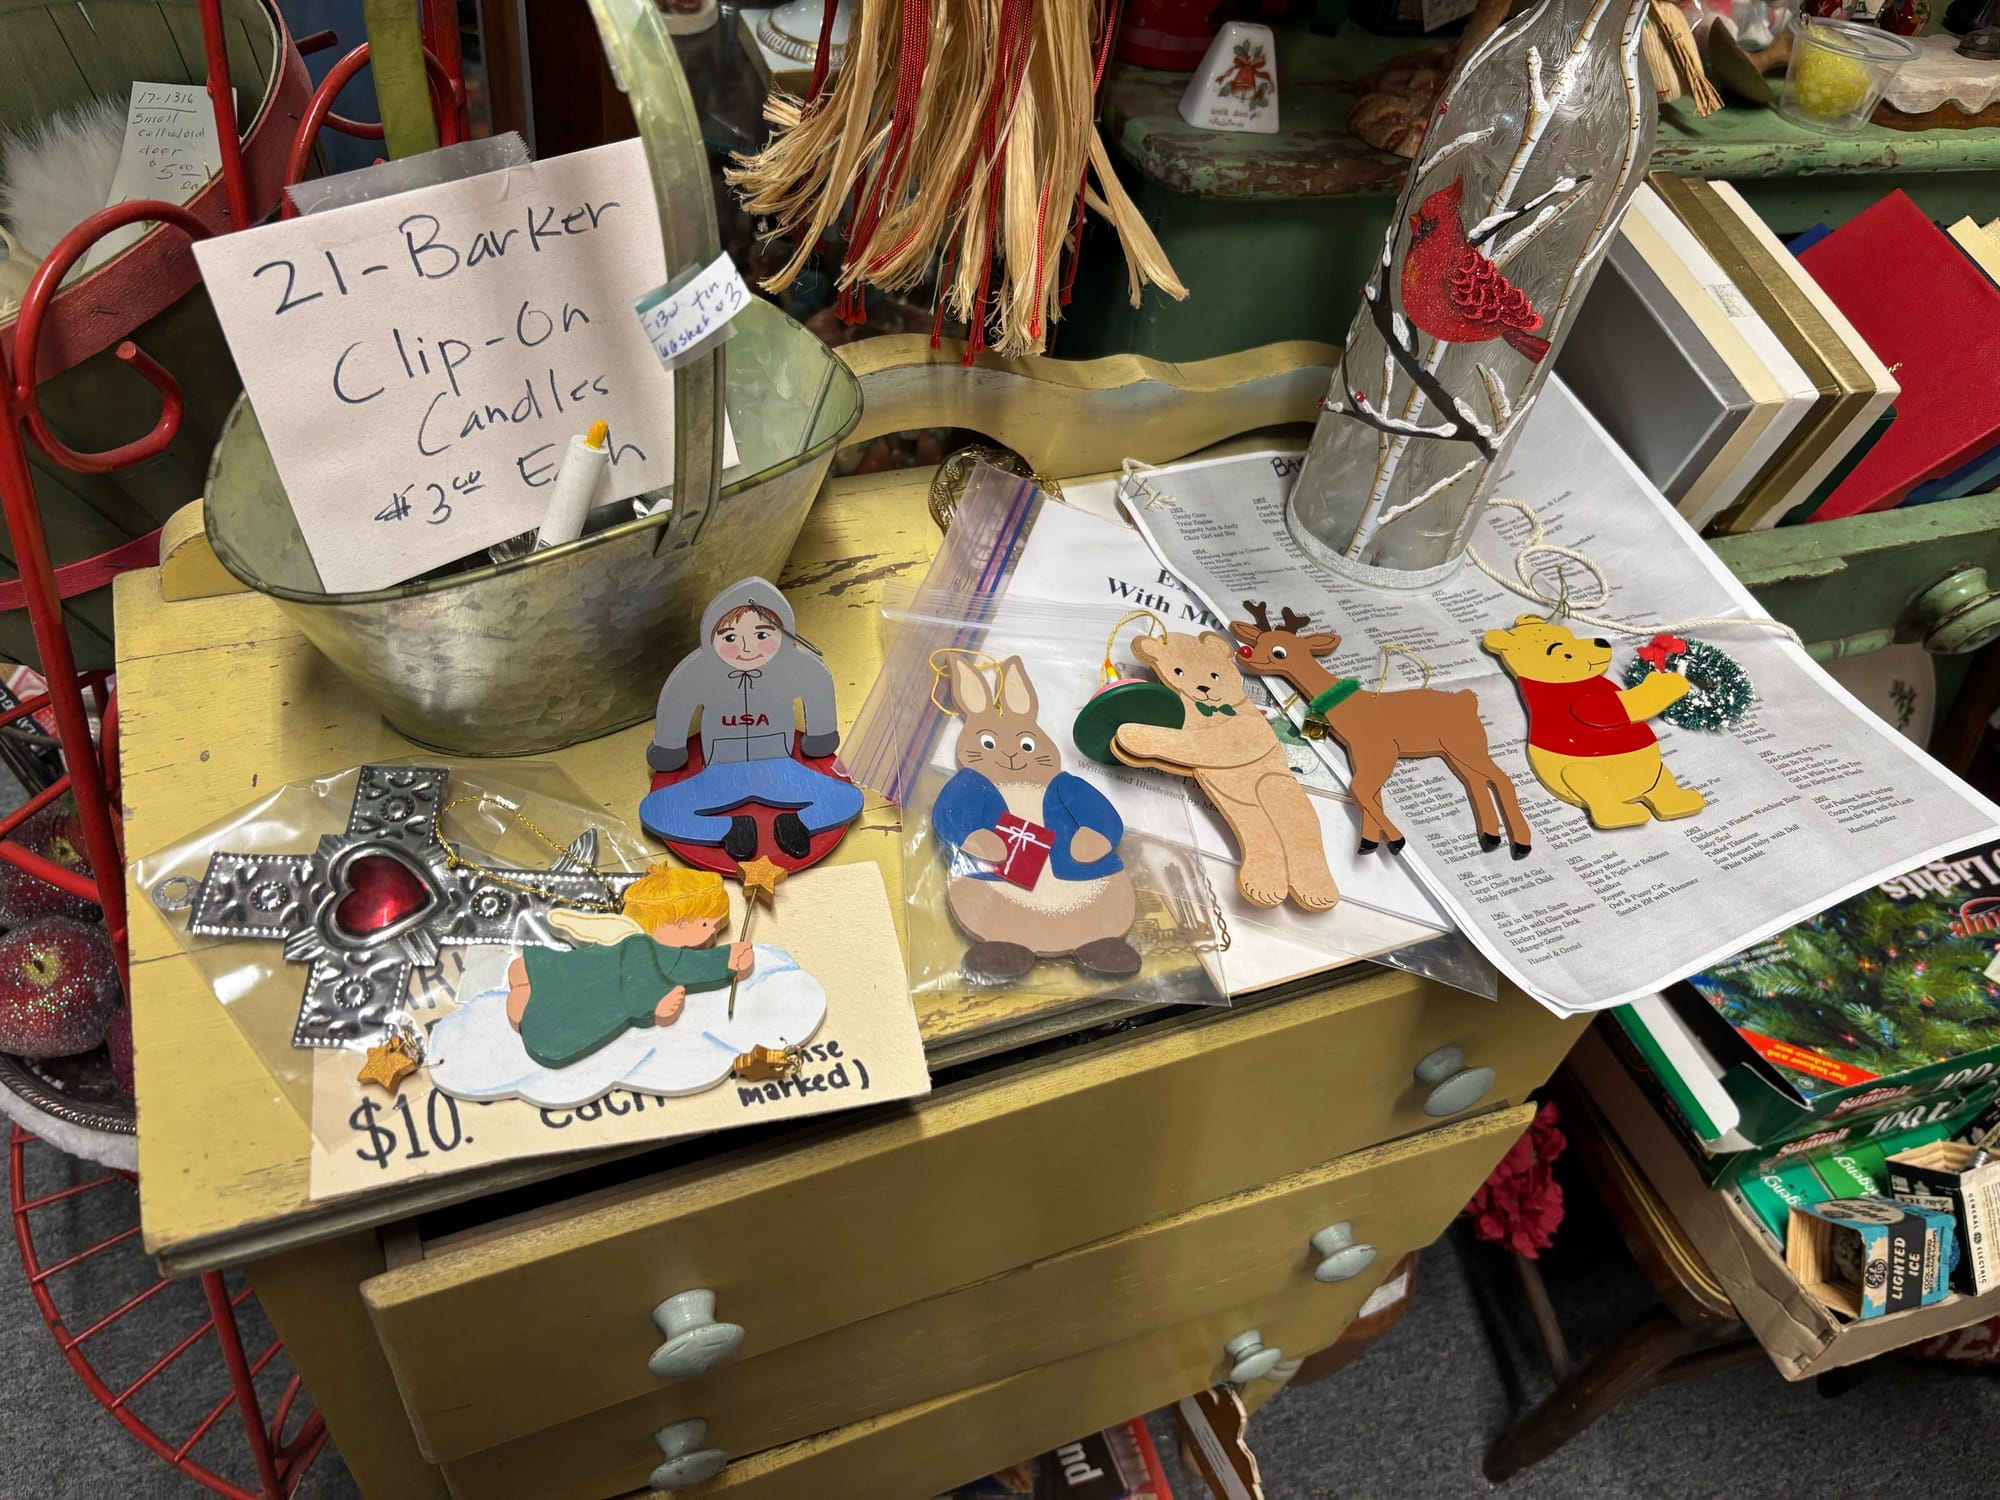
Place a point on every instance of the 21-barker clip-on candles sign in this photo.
(421, 365)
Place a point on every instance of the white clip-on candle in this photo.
(576, 487)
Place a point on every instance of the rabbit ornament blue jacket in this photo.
(970, 802)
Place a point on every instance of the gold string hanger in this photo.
(454, 860)
(1108, 670)
(979, 658)
(1414, 655)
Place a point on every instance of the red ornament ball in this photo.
(55, 833)
(58, 988)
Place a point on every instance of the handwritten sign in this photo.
(169, 153)
(691, 318)
(418, 363)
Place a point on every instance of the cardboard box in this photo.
(1959, 1179)
(1801, 1336)
(1868, 1257)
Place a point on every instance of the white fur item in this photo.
(106, 1148)
(58, 172)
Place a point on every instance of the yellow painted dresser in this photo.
(1079, 1223)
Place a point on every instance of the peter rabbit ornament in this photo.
(1035, 871)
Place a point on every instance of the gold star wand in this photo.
(760, 876)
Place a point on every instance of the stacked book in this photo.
(1758, 383)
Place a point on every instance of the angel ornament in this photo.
(640, 1001)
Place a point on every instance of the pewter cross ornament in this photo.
(371, 904)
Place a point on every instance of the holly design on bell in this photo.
(1246, 77)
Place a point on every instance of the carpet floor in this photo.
(1411, 1419)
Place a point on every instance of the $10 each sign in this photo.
(419, 363)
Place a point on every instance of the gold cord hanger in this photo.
(456, 861)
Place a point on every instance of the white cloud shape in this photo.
(475, 1052)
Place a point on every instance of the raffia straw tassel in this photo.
(1145, 261)
(959, 139)
(1672, 25)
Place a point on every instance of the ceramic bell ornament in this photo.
(1236, 86)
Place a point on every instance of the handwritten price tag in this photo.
(689, 319)
(169, 153)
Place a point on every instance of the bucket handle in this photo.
(648, 72)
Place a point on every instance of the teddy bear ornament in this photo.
(1228, 748)
(1589, 741)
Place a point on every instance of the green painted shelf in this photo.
(1307, 207)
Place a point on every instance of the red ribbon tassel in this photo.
(894, 164)
(822, 59)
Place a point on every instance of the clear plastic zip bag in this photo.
(1021, 574)
(383, 882)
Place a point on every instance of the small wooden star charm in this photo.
(761, 874)
(768, 1063)
(388, 1064)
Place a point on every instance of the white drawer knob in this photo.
(1249, 1359)
(1454, 1086)
(1339, 1257)
(696, 1343)
(688, 1462)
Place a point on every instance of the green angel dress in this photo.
(580, 999)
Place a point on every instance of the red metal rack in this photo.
(278, 1462)
(50, 336)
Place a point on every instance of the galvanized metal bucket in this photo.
(568, 644)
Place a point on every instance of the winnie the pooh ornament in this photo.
(1588, 741)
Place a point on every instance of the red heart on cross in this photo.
(382, 891)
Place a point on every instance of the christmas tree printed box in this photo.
(1888, 1004)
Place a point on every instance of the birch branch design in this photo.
(1427, 406)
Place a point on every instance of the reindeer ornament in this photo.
(1377, 729)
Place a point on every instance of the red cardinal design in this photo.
(1453, 292)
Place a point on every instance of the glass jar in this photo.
(1537, 144)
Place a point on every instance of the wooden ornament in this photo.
(1035, 869)
(750, 784)
(388, 1064)
(1233, 754)
(1587, 738)
(1130, 700)
(634, 968)
(1380, 730)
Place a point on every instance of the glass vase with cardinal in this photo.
(1534, 149)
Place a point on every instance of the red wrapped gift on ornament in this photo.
(1028, 846)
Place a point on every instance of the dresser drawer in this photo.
(1206, 1262)
(829, 1227)
(923, 1449)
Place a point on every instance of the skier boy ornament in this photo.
(748, 773)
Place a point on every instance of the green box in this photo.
(1883, 1008)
